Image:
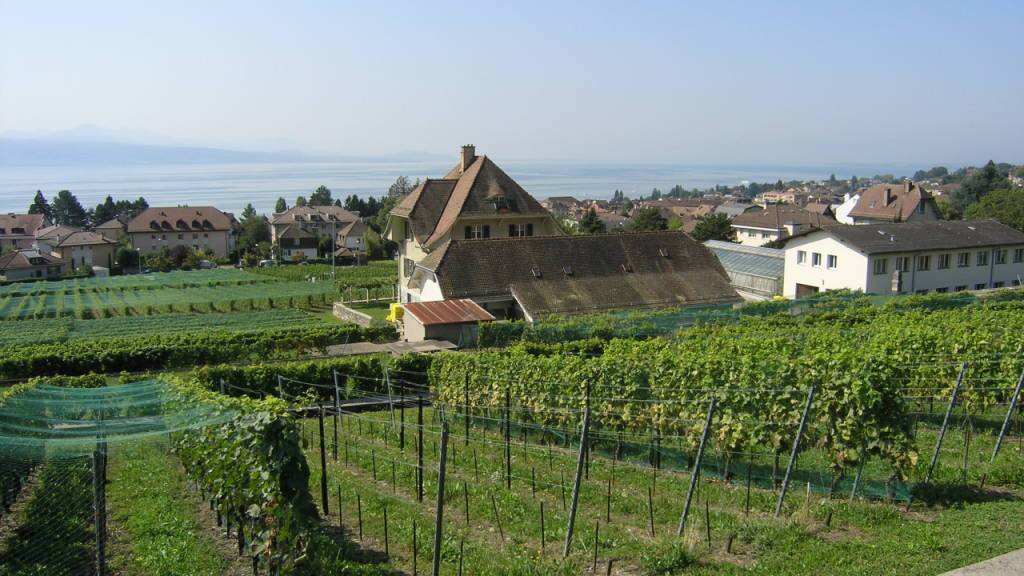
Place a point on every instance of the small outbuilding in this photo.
(452, 320)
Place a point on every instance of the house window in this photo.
(998, 284)
(478, 231)
(982, 259)
(944, 261)
(831, 262)
(195, 235)
(163, 236)
(1001, 256)
(205, 235)
(980, 286)
(801, 257)
(920, 207)
(924, 262)
(881, 265)
(963, 259)
(903, 263)
(765, 235)
(180, 236)
(517, 230)
(816, 259)
(921, 292)
(942, 290)
(961, 288)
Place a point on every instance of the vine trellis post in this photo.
(796, 450)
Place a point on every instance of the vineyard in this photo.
(855, 437)
(374, 273)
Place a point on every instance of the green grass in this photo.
(954, 527)
(148, 498)
(375, 311)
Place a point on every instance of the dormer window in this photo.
(478, 231)
(17, 230)
(567, 270)
(502, 203)
(535, 272)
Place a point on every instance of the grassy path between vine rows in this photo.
(813, 535)
(153, 525)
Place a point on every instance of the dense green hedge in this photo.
(158, 352)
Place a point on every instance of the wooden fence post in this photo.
(796, 450)
(323, 463)
(945, 422)
(439, 513)
(576, 483)
(1009, 415)
(697, 461)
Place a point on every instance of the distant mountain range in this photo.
(89, 145)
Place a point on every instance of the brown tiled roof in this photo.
(20, 259)
(482, 189)
(356, 227)
(296, 231)
(549, 274)
(314, 214)
(55, 232)
(902, 201)
(112, 224)
(456, 311)
(819, 208)
(83, 238)
(181, 219)
(28, 222)
(925, 235)
(777, 216)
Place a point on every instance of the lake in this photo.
(231, 186)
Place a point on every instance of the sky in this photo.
(721, 82)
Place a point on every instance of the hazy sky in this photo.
(755, 82)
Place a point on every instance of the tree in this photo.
(281, 206)
(591, 224)
(320, 197)
(104, 212)
(977, 185)
(648, 219)
(253, 229)
(300, 202)
(655, 194)
(67, 210)
(853, 182)
(40, 206)
(713, 227)
(1006, 206)
(832, 180)
(402, 187)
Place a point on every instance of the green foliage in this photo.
(713, 227)
(41, 206)
(280, 206)
(591, 224)
(977, 185)
(1006, 206)
(321, 197)
(647, 219)
(67, 210)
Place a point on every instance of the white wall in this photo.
(850, 270)
(855, 271)
(754, 236)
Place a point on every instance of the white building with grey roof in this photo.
(905, 258)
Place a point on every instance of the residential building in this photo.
(537, 276)
(296, 242)
(755, 272)
(83, 248)
(734, 209)
(906, 258)
(113, 229)
(775, 222)
(563, 207)
(350, 242)
(18, 231)
(453, 320)
(475, 200)
(50, 236)
(314, 221)
(196, 227)
(906, 202)
(28, 265)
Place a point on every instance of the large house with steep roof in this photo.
(882, 203)
(18, 231)
(298, 230)
(475, 200)
(775, 222)
(196, 227)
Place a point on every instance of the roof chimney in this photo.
(908, 186)
(888, 195)
(468, 155)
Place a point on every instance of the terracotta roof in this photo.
(304, 214)
(733, 209)
(777, 216)
(893, 202)
(459, 311)
(819, 208)
(356, 227)
(113, 224)
(27, 222)
(932, 235)
(56, 231)
(482, 189)
(83, 238)
(296, 231)
(181, 219)
(549, 274)
(23, 259)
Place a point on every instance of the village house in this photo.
(474, 201)
(113, 229)
(350, 242)
(775, 222)
(29, 264)
(563, 207)
(196, 227)
(298, 230)
(533, 277)
(907, 258)
(84, 248)
(906, 202)
(734, 209)
(50, 236)
(18, 231)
